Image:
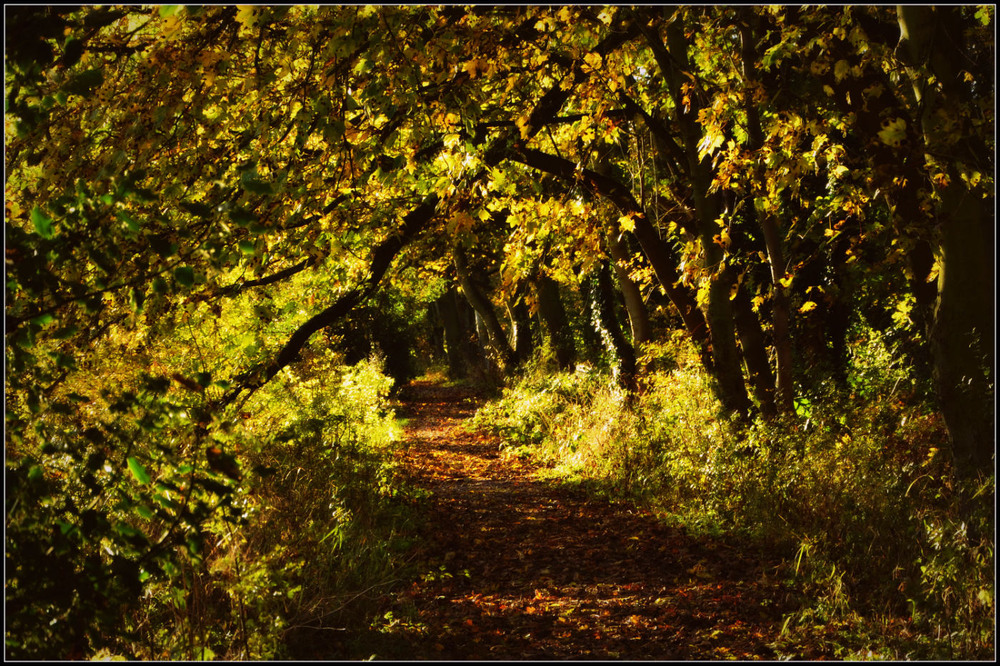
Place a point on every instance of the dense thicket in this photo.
(210, 208)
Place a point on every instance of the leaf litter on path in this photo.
(520, 568)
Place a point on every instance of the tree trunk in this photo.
(590, 335)
(455, 335)
(496, 337)
(769, 227)
(611, 331)
(638, 315)
(554, 320)
(962, 332)
(718, 312)
(524, 343)
(754, 353)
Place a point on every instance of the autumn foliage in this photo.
(730, 263)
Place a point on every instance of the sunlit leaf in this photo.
(42, 222)
(138, 471)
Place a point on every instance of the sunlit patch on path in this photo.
(520, 568)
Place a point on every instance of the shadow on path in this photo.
(521, 568)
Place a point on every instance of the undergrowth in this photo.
(314, 535)
(895, 555)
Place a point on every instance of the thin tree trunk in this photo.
(614, 338)
(523, 341)
(455, 335)
(719, 314)
(754, 353)
(497, 339)
(638, 315)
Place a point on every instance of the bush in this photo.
(318, 521)
(855, 489)
(141, 546)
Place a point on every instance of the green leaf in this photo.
(255, 186)
(136, 298)
(162, 246)
(248, 248)
(184, 275)
(42, 222)
(252, 183)
(63, 333)
(44, 319)
(138, 471)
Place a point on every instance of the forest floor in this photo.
(516, 567)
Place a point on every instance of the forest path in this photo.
(522, 568)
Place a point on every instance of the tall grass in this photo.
(894, 553)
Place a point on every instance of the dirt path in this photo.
(523, 569)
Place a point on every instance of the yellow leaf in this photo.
(593, 60)
(626, 222)
(807, 306)
(841, 69)
(473, 67)
(893, 132)
(522, 124)
(460, 222)
(245, 15)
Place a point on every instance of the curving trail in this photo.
(523, 569)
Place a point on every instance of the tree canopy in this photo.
(200, 200)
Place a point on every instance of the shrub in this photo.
(854, 489)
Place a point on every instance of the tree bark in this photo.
(962, 332)
(718, 312)
(638, 315)
(556, 324)
(611, 331)
(497, 339)
(456, 336)
(593, 346)
(769, 227)
(524, 344)
(754, 353)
